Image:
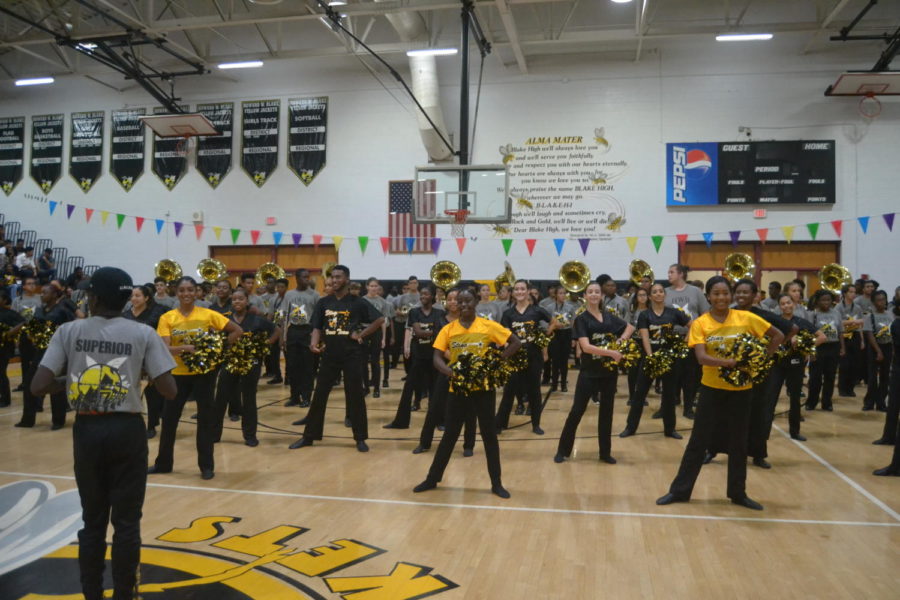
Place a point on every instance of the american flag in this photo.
(400, 215)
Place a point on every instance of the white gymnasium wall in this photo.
(696, 91)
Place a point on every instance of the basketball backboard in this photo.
(481, 190)
(180, 125)
(864, 83)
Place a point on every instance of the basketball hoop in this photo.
(869, 106)
(457, 219)
(187, 148)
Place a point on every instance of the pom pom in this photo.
(753, 362)
(541, 339)
(473, 373)
(39, 332)
(658, 364)
(246, 352)
(631, 353)
(207, 355)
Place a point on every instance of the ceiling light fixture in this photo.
(247, 64)
(432, 52)
(743, 37)
(34, 81)
(621, 1)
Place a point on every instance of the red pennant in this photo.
(530, 245)
(461, 243)
(317, 239)
(198, 230)
(838, 225)
(254, 235)
(763, 234)
(385, 244)
(139, 222)
(682, 240)
(88, 213)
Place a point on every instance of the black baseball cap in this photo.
(111, 285)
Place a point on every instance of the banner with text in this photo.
(127, 161)
(86, 148)
(307, 123)
(12, 152)
(214, 152)
(47, 150)
(259, 138)
(169, 155)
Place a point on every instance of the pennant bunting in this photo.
(198, 230)
(559, 243)
(104, 215)
(70, 208)
(363, 243)
(889, 220)
(507, 244)
(410, 244)
(296, 237)
(707, 237)
(735, 236)
(88, 213)
(276, 237)
(657, 241)
(837, 225)
(632, 243)
(435, 244)
(254, 235)
(217, 231)
(235, 234)
(584, 243)
(178, 225)
(338, 240)
(139, 222)
(682, 240)
(385, 244)
(159, 225)
(762, 234)
(530, 245)
(864, 224)
(813, 229)
(788, 232)
(52, 205)
(460, 244)
(120, 218)
(317, 239)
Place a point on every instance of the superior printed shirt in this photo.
(26, 305)
(689, 300)
(182, 330)
(879, 323)
(618, 306)
(849, 313)
(598, 333)
(719, 336)
(829, 323)
(564, 313)
(298, 308)
(489, 310)
(103, 359)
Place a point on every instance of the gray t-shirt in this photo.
(169, 301)
(26, 305)
(865, 304)
(563, 313)
(771, 305)
(880, 325)
(384, 308)
(103, 359)
(618, 306)
(298, 306)
(829, 323)
(689, 300)
(256, 302)
(489, 310)
(403, 304)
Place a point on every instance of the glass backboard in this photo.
(482, 190)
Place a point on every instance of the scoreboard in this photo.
(716, 173)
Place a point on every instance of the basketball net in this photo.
(187, 147)
(869, 106)
(457, 219)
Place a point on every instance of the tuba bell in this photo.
(211, 270)
(638, 269)
(507, 277)
(445, 274)
(834, 277)
(168, 269)
(268, 270)
(739, 266)
(574, 275)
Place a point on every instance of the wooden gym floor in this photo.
(581, 529)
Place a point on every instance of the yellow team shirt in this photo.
(476, 339)
(716, 336)
(182, 330)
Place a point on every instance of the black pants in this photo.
(226, 398)
(31, 403)
(459, 407)
(689, 373)
(111, 473)
(667, 406)
(373, 360)
(733, 408)
(821, 375)
(559, 350)
(155, 404)
(788, 372)
(525, 383)
(758, 429)
(879, 373)
(397, 345)
(437, 415)
(201, 389)
(5, 392)
(850, 365)
(893, 408)
(386, 358)
(349, 360)
(240, 390)
(299, 364)
(585, 388)
(418, 382)
(273, 361)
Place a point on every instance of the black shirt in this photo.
(59, 314)
(597, 333)
(420, 348)
(11, 319)
(254, 323)
(225, 311)
(654, 323)
(776, 321)
(150, 316)
(895, 339)
(338, 318)
(525, 324)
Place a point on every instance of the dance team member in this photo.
(561, 345)
(375, 344)
(877, 329)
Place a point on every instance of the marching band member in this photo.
(162, 297)
(278, 309)
(850, 364)
(487, 308)
(823, 366)
(877, 329)
(691, 301)
(612, 302)
(561, 345)
(257, 305)
(376, 342)
(26, 304)
(300, 303)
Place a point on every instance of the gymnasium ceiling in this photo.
(208, 32)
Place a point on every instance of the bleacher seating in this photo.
(89, 269)
(65, 264)
(30, 237)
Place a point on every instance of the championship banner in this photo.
(214, 152)
(307, 121)
(46, 150)
(127, 163)
(86, 148)
(169, 155)
(259, 138)
(12, 152)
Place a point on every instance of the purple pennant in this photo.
(889, 220)
(410, 244)
(435, 244)
(296, 237)
(559, 243)
(70, 208)
(178, 227)
(707, 237)
(735, 236)
(584, 243)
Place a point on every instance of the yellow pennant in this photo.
(338, 240)
(104, 215)
(632, 242)
(788, 232)
(217, 231)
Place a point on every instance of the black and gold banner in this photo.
(214, 152)
(47, 150)
(127, 163)
(86, 148)
(307, 122)
(169, 155)
(259, 138)
(12, 152)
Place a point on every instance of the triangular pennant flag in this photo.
(254, 235)
(178, 225)
(864, 223)
(460, 244)
(435, 244)
(120, 218)
(507, 244)
(889, 220)
(198, 230)
(70, 208)
(632, 242)
(410, 244)
(218, 232)
(235, 233)
(88, 213)
(788, 232)
(584, 243)
(657, 241)
(52, 204)
(762, 234)
(530, 245)
(338, 240)
(735, 236)
(296, 237)
(707, 237)
(317, 239)
(104, 215)
(363, 243)
(682, 240)
(813, 229)
(385, 244)
(837, 225)
(276, 237)
(159, 225)
(139, 222)
(559, 243)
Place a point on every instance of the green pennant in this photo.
(657, 241)
(813, 229)
(507, 244)
(120, 218)
(363, 243)
(235, 233)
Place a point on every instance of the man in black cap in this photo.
(102, 358)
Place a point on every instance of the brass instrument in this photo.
(834, 277)
(739, 266)
(211, 270)
(574, 275)
(268, 270)
(445, 274)
(168, 269)
(638, 269)
(507, 277)
(327, 267)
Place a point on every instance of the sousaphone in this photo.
(834, 277)
(168, 269)
(445, 274)
(211, 270)
(638, 269)
(739, 265)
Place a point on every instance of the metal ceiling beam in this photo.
(831, 16)
(512, 33)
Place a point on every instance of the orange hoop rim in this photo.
(459, 215)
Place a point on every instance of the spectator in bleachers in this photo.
(25, 263)
(46, 266)
(75, 278)
(19, 247)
